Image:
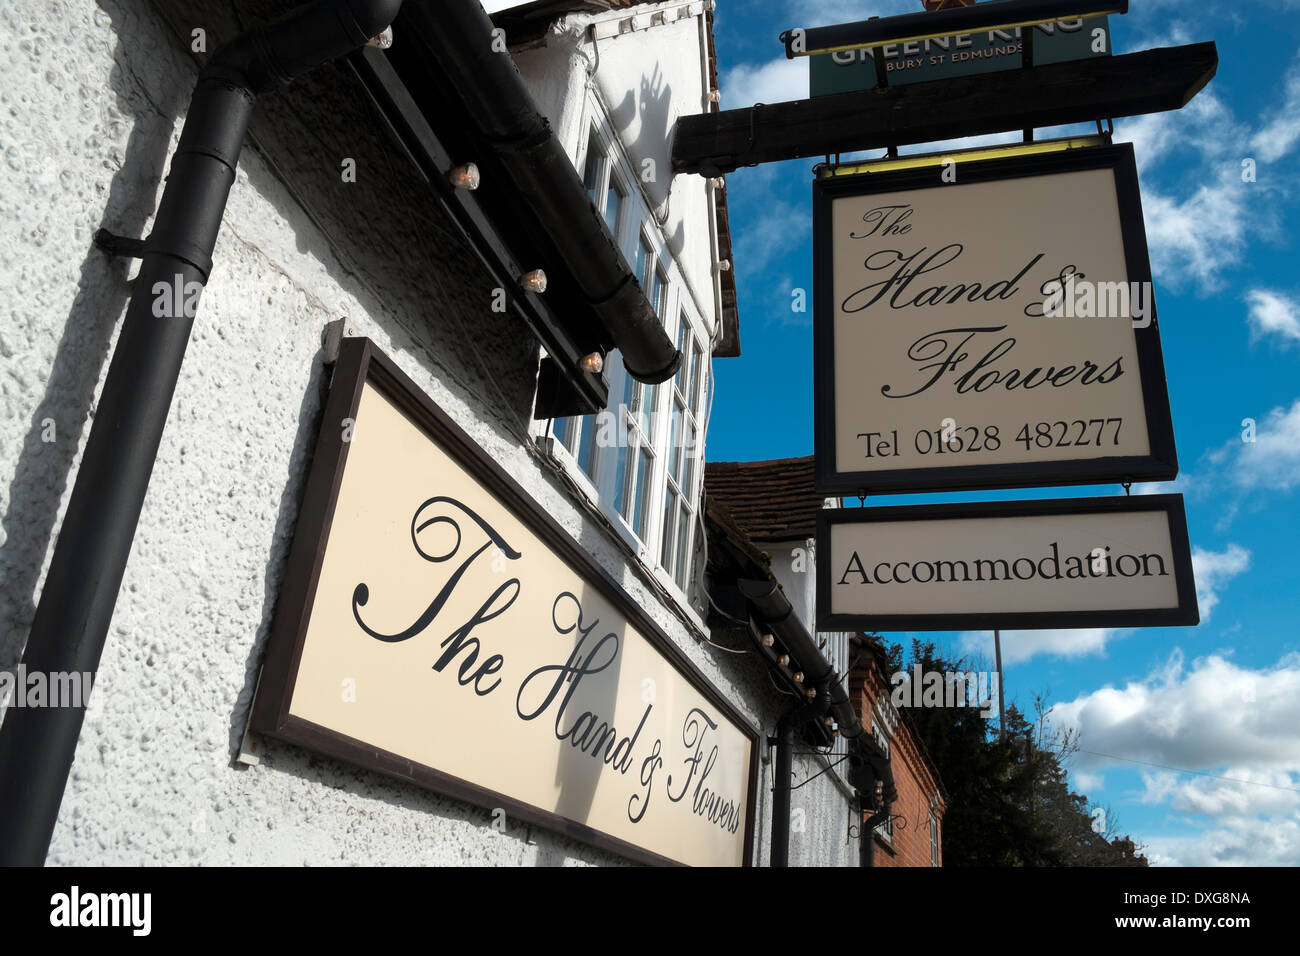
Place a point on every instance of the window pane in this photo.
(688, 369)
(587, 448)
(666, 548)
(657, 285)
(613, 207)
(591, 172)
(683, 346)
(692, 454)
(697, 366)
(620, 481)
(641, 497)
(644, 258)
(566, 429)
(648, 395)
(683, 538)
(674, 444)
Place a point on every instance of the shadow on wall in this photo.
(43, 470)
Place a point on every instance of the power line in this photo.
(1199, 773)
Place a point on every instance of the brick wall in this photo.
(920, 792)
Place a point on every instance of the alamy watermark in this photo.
(1071, 296)
(919, 688)
(24, 688)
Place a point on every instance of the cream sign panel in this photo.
(1091, 562)
(446, 631)
(993, 330)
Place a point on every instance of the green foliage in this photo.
(1009, 803)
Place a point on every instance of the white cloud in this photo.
(1019, 646)
(1212, 570)
(1083, 782)
(1269, 842)
(1212, 715)
(1272, 460)
(1279, 137)
(1181, 242)
(1272, 313)
(1236, 792)
(780, 228)
(776, 81)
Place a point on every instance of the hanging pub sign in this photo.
(438, 626)
(987, 324)
(1064, 563)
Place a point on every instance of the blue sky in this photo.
(1221, 699)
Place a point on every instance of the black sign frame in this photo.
(360, 362)
(1187, 613)
(1161, 464)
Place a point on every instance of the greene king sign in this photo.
(1084, 562)
(987, 325)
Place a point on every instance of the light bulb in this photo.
(534, 281)
(592, 362)
(464, 176)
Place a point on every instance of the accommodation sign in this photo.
(1086, 562)
(438, 626)
(941, 58)
(987, 324)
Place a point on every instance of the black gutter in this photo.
(993, 15)
(474, 69)
(549, 314)
(868, 764)
(37, 745)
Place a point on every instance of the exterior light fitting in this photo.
(798, 677)
(464, 176)
(715, 96)
(717, 182)
(534, 280)
(592, 362)
(724, 265)
(783, 659)
(768, 640)
(383, 41)
(810, 693)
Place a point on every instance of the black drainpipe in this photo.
(867, 762)
(37, 745)
(814, 708)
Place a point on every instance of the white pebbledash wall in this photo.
(91, 106)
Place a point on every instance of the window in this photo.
(608, 195)
(686, 395)
(885, 829)
(643, 455)
(934, 839)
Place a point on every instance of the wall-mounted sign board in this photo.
(438, 626)
(988, 324)
(940, 58)
(1064, 563)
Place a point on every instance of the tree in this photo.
(1009, 802)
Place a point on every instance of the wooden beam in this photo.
(1152, 81)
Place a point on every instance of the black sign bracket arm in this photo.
(1057, 94)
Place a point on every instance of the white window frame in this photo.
(637, 223)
